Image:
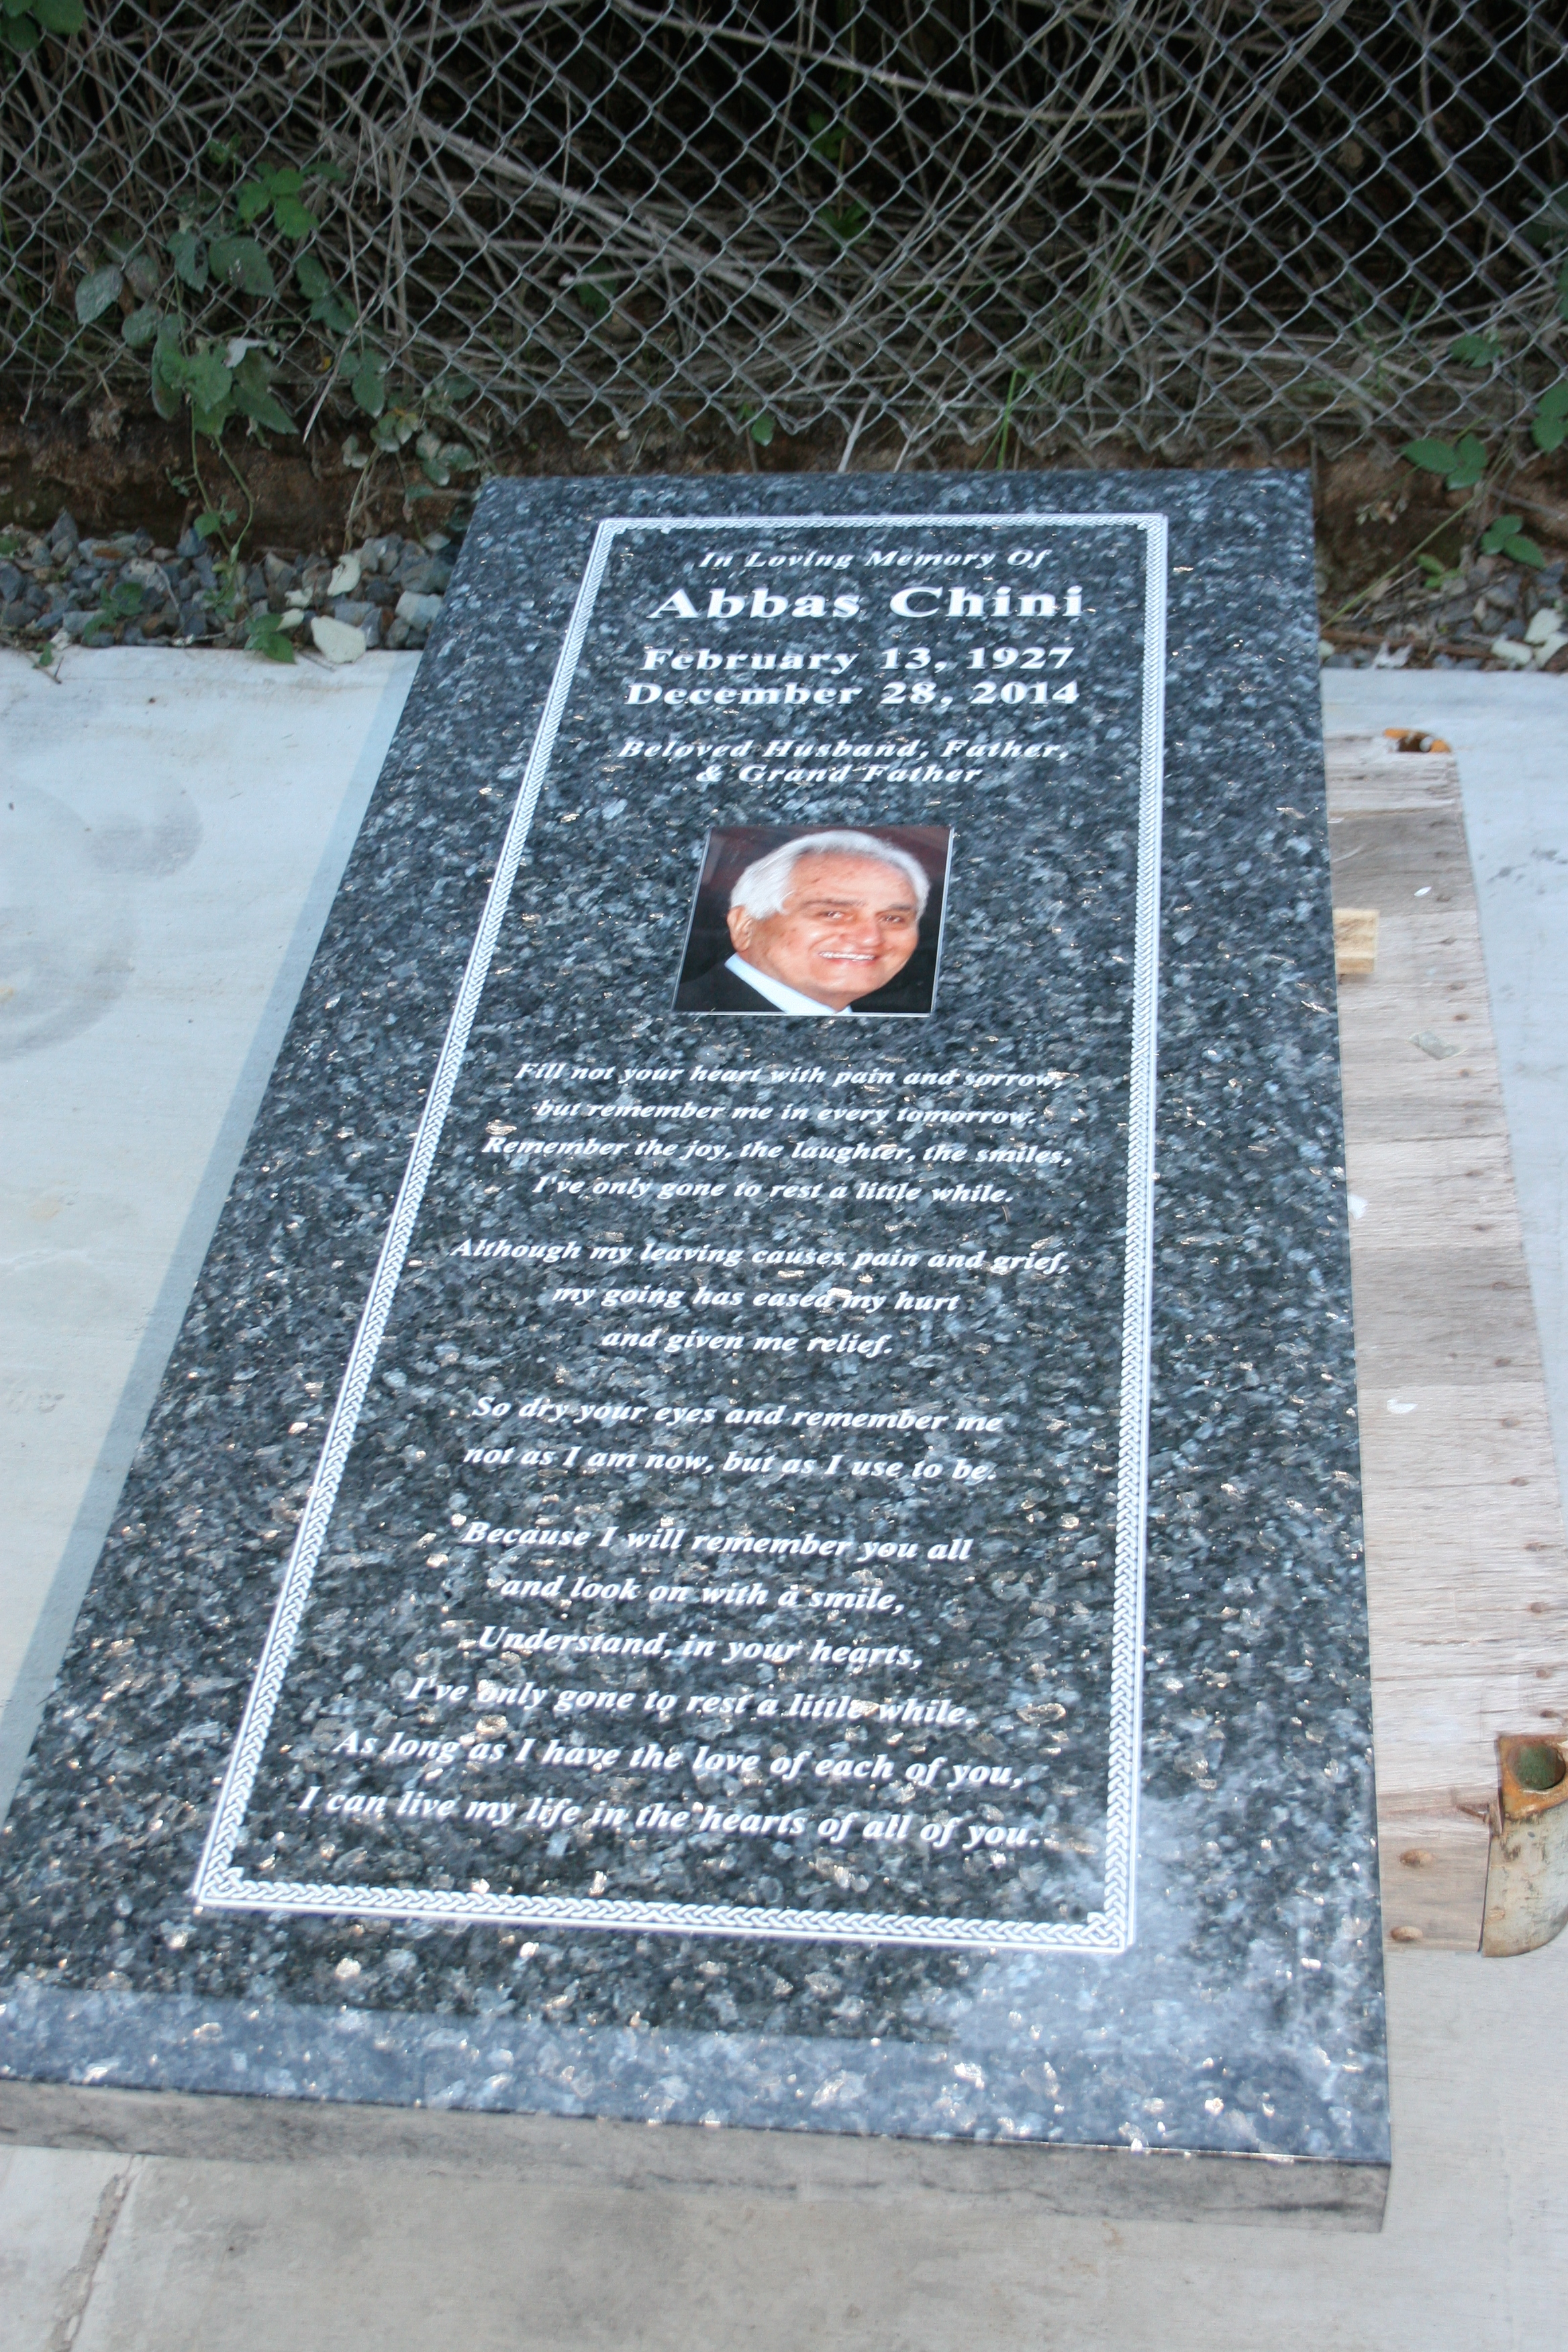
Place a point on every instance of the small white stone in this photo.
(1511, 650)
(292, 619)
(417, 611)
(150, 577)
(345, 576)
(335, 640)
(1543, 625)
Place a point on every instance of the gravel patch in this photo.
(1494, 614)
(61, 587)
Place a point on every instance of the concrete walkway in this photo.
(174, 827)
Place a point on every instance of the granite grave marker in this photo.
(755, 1520)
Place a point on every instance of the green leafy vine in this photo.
(256, 244)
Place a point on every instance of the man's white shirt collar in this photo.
(779, 992)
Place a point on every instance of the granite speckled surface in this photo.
(1028, 1974)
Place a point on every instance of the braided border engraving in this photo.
(219, 1886)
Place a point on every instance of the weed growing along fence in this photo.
(1179, 223)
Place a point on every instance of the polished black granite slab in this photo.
(755, 1521)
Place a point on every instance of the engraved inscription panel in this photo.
(743, 1446)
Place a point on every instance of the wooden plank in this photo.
(1466, 1567)
(1356, 942)
(1366, 777)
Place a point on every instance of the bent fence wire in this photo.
(1177, 223)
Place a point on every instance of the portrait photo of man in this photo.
(824, 923)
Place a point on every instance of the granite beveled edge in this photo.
(956, 2178)
(279, 2051)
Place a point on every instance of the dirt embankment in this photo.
(122, 469)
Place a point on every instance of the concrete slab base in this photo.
(947, 2182)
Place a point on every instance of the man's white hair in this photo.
(764, 886)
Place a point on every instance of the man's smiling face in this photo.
(849, 925)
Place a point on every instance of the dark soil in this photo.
(119, 470)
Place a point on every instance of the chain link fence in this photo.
(1178, 223)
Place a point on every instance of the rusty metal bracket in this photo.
(1527, 1869)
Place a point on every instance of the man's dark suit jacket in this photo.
(724, 991)
(720, 991)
